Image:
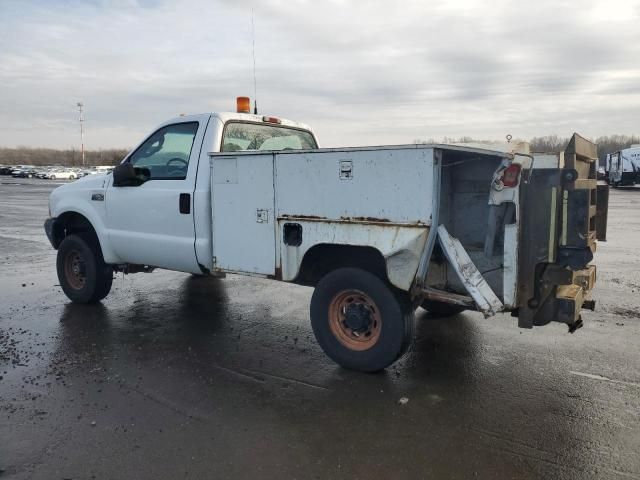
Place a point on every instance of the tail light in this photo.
(511, 175)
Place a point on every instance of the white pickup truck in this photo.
(378, 231)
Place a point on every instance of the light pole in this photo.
(81, 119)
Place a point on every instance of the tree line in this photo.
(553, 143)
(606, 144)
(50, 156)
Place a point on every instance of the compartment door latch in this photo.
(262, 215)
(346, 170)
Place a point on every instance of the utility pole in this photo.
(81, 119)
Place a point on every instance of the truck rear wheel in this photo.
(83, 275)
(358, 320)
(441, 309)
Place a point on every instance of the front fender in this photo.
(72, 204)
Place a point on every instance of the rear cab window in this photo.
(242, 136)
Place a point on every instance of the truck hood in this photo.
(97, 180)
(93, 183)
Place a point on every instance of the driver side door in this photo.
(152, 223)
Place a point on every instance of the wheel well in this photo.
(73, 223)
(323, 258)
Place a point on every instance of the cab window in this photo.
(166, 152)
(240, 136)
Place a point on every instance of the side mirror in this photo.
(124, 175)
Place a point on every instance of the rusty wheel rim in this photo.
(74, 269)
(355, 320)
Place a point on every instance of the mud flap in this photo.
(486, 300)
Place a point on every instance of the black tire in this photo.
(441, 309)
(83, 275)
(389, 316)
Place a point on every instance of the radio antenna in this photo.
(253, 51)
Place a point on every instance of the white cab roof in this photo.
(244, 117)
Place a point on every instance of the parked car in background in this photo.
(16, 168)
(25, 173)
(5, 170)
(44, 172)
(63, 173)
(87, 171)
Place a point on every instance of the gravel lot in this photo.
(178, 377)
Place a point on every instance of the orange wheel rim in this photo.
(355, 320)
(74, 269)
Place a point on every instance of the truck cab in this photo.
(160, 216)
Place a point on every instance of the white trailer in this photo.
(622, 168)
(377, 231)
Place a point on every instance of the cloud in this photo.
(361, 72)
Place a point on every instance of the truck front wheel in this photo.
(83, 275)
(359, 322)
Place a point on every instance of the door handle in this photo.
(185, 203)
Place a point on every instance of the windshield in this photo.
(239, 136)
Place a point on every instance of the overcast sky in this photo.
(359, 72)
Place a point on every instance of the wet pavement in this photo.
(174, 376)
